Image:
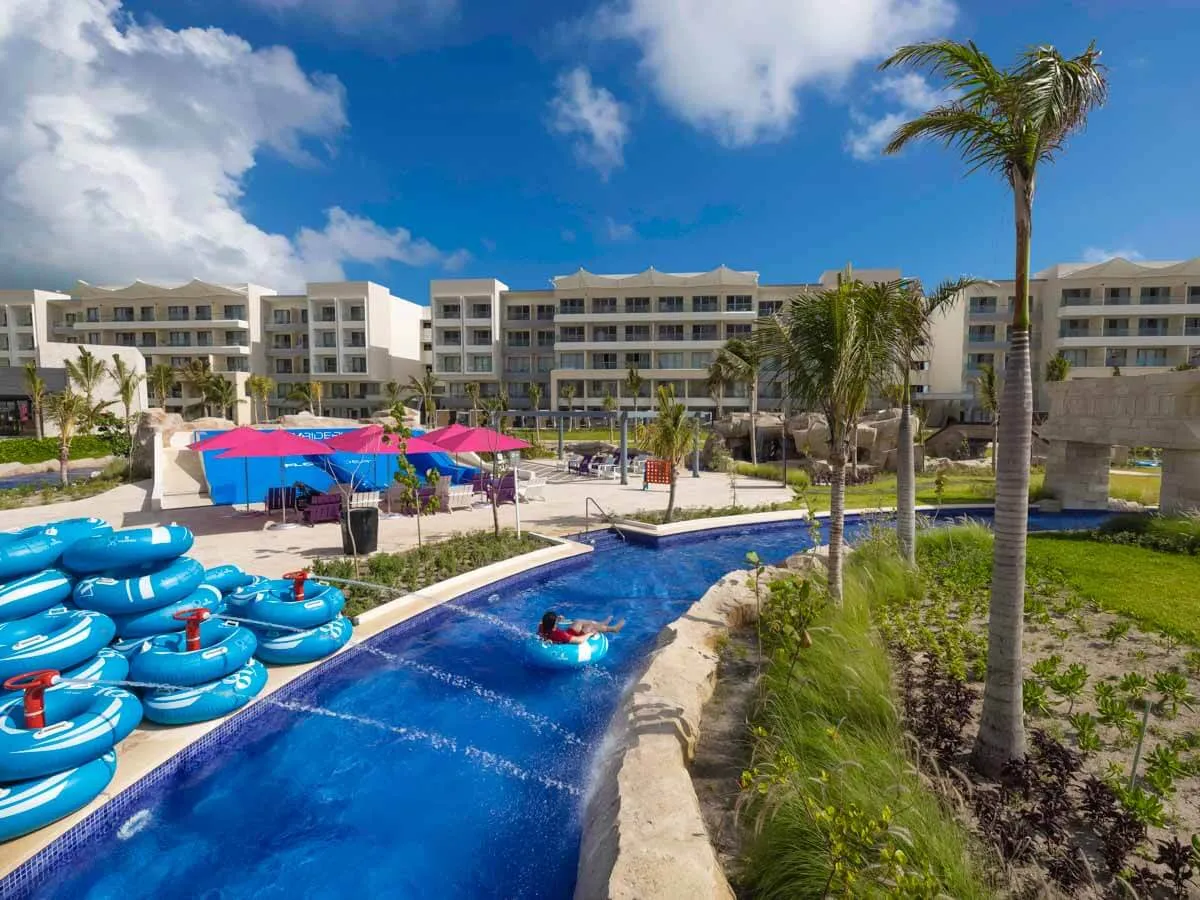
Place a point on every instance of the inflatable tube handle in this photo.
(298, 579)
(34, 685)
(193, 617)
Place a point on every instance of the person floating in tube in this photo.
(576, 631)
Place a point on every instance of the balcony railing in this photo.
(1116, 332)
(1117, 301)
(1152, 332)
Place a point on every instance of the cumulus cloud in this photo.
(911, 92)
(124, 149)
(368, 18)
(592, 115)
(1099, 255)
(736, 69)
(618, 231)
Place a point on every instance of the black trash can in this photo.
(362, 524)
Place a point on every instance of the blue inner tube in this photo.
(568, 656)
(140, 589)
(205, 701)
(162, 620)
(107, 665)
(82, 722)
(29, 805)
(58, 638)
(27, 551)
(69, 531)
(284, 648)
(227, 578)
(33, 594)
(127, 548)
(271, 601)
(224, 648)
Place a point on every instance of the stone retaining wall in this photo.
(643, 832)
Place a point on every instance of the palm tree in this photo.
(669, 438)
(425, 388)
(830, 348)
(741, 362)
(610, 406)
(86, 373)
(259, 388)
(1058, 367)
(222, 394)
(309, 393)
(197, 375)
(716, 382)
(916, 311)
(67, 410)
(161, 381)
(393, 391)
(472, 391)
(987, 392)
(35, 387)
(128, 381)
(633, 384)
(567, 392)
(1007, 121)
(535, 401)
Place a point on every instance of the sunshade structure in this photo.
(227, 440)
(476, 440)
(277, 444)
(374, 440)
(437, 434)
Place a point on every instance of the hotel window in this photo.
(1152, 327)
(604, 333)
(545, 312)
(670, 304)
(1076, 296)
(1150, 295)
(326, 314)
(545, 338)
(449, 363)
(179, 339)
(93, 313)
(518, 365)
(518, 314)
(1074, 328)
(983, 306)
(146, 313)
(339, 391)
(451, 338)
(637, 332)
(1193, 293)
(236, 339)
(738, 330)
(545, 364)
(327, 366)
(354, 314)
(1116, 327)
(637, 304)
(981, 334)
(123, 314)
(601, 389)
(604, 305)
(481, 337)
(670, 332)
(149, 339)
(237, 364)
(570, 306)
(3, 341)
(124, 338)
(178, 362)
(282, 317)
(326, 339)
(706, 303)
(93, 337)
(481, 310)
(518, 339)
(68, 318)
(1191, 326)
(769, 307)
(739, 303)
(235, 311)
(571, 334)
(283, 367)
(203, 313)
(358, 364)
(637, 360)
(204, 339)
(705, 333)
(1155, 356)
(1076, 358)
(355, 338)
(702, 359)
(604, 360)
(979, 360)
(571, 361)
(1116, 296)
(450, 311)
(518, 389)
(670, 360)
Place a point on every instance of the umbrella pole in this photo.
(283, 522)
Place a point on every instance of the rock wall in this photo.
(643, 831)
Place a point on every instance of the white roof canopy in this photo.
(722, 275)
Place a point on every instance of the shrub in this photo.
(1167, 534)
(35, 450)
(797, 477)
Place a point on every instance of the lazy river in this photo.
(432, 762)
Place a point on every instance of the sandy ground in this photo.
(246, 541)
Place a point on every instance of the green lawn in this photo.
(1159, 590)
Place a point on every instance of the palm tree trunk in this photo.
(1001, 734)
(906, 484)
(671, 496)
(995, 441)
(837, 519)
(496, 495)
(64, 457)
(753, 417)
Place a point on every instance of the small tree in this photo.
(425, 389)
(987, 390)
(741, 362)
(35, 387)
(198, 375)
(1058, 367)
(67, 410)
(535, 401)
(567, 392)
(259, 389)
(160, 380)
(87, 373)
(309, 393)
(472, 391)
(221, 394)
(610, 406)
(669, 438)
(128, 381)
(633, 384)
(394, 393)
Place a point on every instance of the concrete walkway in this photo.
(245, 541)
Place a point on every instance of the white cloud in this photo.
(618, 231)
(593, 117)
(368, 18)
(1098, 255)
(913, 94)
(736, 69)
(124, 149)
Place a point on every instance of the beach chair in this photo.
(504, 490)
(322, 508)
(581, 466)
(281, 498)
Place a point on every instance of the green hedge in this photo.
(36, 450)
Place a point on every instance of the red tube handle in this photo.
(298, 579)
(193, 617)
(34, 685)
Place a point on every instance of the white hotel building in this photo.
(587, 330)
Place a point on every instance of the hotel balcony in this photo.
(107, 323)
(1127, 310)
(1129, 340)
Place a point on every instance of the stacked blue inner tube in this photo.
(295, 620)
(140, 578)
(57, 737)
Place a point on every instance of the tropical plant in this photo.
(567, 392)
(35, 387)
(829, 348)
(425, 390)
(916, 311)
(741, 361)
(1006, 121)
(67, 410)
(669, 437)
(471, 388)
(161, 380)
(310, 394)
(633, 384)
(128, 381)
(716, 383)
(610, 406)
(394, 393)
(259, 388)
(221, 393)
(198, 375)
(987, 392)
(87, 373)
(535, 402)
(1058, 367)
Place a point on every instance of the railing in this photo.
(588, 503)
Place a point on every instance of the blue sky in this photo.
(432, 129)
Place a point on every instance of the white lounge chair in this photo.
(533, 489)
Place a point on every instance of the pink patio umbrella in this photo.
(373, 440)
(227, 440)
(449, 431)
(280, 444)
(485, 440)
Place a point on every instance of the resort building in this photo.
(1114, 317)
(579, 337)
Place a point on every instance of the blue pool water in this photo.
(476, 795)
(44, 479)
